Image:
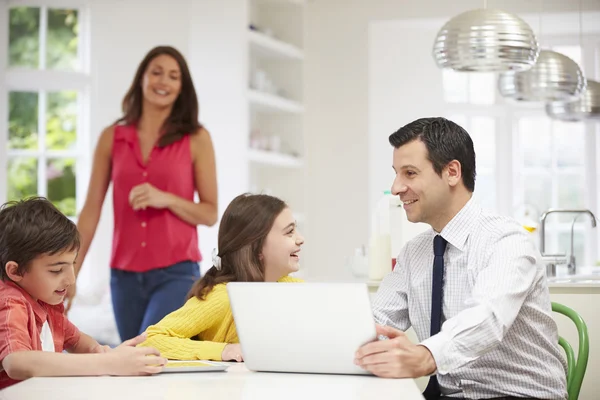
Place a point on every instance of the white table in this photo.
(236, 383)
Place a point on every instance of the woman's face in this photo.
(161, 83)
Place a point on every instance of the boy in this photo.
(38, 248)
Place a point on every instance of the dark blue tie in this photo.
(432, 391)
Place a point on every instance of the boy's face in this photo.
(48, 276)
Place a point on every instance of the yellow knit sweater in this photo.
(209, 322)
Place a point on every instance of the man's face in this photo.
(424, 193)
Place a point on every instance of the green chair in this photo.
(575, 367)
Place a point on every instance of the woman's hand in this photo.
(145, 195)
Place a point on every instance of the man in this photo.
(472, 287)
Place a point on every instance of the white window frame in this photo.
(43, 81)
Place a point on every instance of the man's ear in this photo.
(454, 172)
(11, 268)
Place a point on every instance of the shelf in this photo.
(272, 48)
(269, 103)
(282, 2)
(275, 159)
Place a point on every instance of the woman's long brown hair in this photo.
(184, 115)
(244, 227)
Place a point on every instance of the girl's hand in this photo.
(232, 352)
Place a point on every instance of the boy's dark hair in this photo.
(30, 228)
(445, 141)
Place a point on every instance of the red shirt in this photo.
(148, 239)
(21, 321)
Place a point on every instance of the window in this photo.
(469, 97)
(551, 174)
(469, 88)
(46, 90)
(541, 163)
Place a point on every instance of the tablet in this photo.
(193, 366)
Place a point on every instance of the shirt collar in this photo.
(40, 312)
(457, 231)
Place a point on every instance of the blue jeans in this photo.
(141, 299)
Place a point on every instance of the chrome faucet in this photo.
(571, 266)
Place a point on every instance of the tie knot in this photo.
(439, 245)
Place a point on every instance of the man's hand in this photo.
(396, 357)
(145, 195)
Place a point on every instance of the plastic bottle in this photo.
(380, 252)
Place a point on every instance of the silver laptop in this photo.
(302, 327)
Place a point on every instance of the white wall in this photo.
(218, 59)
(337, 119)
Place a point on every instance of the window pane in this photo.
(483, 133)
(535, 141)
(571, 190)
(455, 86)
(22, 177)
(60, 175)
(460, 120)
(538, 191)
(485, 191)
(62, 39)
(570, 143)
(564, 245)
(22, 120)
(24, 37)
(482, 87)
(61, 121)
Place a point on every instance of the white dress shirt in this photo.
(498, 336)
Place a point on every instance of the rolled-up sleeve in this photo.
(390, 306)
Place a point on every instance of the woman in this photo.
(157, 155)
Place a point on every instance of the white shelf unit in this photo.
(269, 47)
(276, 156)
(271, 104)
(274, 159)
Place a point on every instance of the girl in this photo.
(258, 242)
(157, 155)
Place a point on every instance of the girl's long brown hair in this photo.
(244, 227)
(184, 115)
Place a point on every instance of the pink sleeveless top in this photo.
(148, 239)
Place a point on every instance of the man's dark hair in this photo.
(33, 227)
(445, 141)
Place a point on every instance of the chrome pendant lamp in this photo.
(486, 40)
(586, 107)
(554, 77)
